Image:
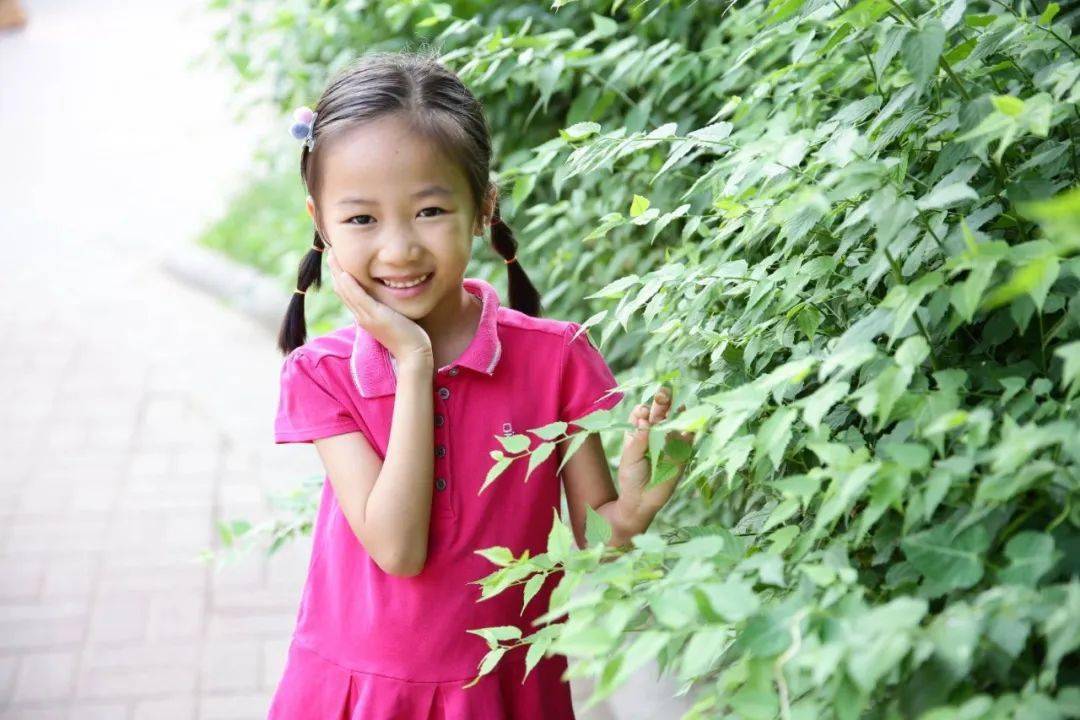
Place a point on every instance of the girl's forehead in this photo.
(384, 159)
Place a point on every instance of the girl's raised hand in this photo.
(635, 468)
(397, 333)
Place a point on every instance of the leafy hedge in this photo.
(847, 234)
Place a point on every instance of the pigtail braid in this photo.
(524, 296)
(293, 332)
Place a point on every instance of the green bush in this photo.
(847, 234)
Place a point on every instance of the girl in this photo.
(403, 407)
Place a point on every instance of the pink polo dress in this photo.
(372, 646)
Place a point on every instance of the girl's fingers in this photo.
(661, 404)
(639, 416)
(346, 286)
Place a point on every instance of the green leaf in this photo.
(501, 556)
(494, 634)
(615, 288)
(1049, 14)
(864, 13)
(733, 600)
(1070, 371)
(1033, 278)
(948, 562)
(922, 50)
(487, 664)
(1008, 105)
(711, 134)
(880, 638)
(532, 586)
(1058, 216)
(597, 527)
(560, 539)
(605, 27)
(943, 197)
(495, 471)
(1031, 556)
(1062, 630)
(638, 206)
(845, 488)
(966, 296)
(774, 435)
(580, 131)
(955, 634)
(523, 187)
(675, 608)
(537, 649)
(538, 456)
(514, 443)
(817, 404)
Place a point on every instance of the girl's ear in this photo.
(310, 204)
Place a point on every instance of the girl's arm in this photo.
(588, 481)
(388, 502)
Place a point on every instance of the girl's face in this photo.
(392, 206)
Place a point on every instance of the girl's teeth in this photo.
(406, 285)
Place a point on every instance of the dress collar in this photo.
(374, 370)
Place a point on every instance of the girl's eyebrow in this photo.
(430, 190)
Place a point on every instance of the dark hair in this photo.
(436, 104)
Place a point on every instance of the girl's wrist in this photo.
(416, 361)
(631, 518)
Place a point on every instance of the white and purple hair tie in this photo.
(303, 126)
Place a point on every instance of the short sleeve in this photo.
(307, 410)
(585, 377)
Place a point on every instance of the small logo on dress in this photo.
(507, 429)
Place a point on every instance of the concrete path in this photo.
(135, 411)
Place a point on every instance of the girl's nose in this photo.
(400, 248)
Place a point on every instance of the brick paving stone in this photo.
(9, 666)
(22, 578)
(66, 578)
(174, 617)
(27, 636)
(122, 618)
(174, 708)
(231, 665)
(137, 682)
(34, 611)
(38, 711)
(234, 707)
(84, 710)
(45, 676)
(106, 656)
(274, 653)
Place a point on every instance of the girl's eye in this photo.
(350, 220)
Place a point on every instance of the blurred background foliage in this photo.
(846, 233)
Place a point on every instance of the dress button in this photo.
(444, 393)
(440, 483)
(440, 451)
(439, 420)
(453, 370)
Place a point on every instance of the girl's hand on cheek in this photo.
(397, 333)
(635, 467)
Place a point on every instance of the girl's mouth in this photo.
(411, 291)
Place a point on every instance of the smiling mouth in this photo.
(419, 280)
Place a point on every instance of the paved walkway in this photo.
(135, 412)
